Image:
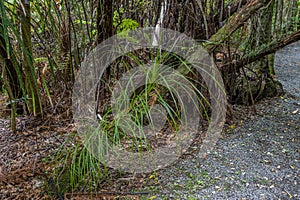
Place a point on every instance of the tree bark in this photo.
(104, 31)
(34, 102)
(104, 20)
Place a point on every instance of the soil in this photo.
(257, 157)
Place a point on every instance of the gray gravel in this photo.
(257, 159)
(287, 66)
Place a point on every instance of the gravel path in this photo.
(257, 159)
(287, 66)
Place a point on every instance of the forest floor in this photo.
(257, 157)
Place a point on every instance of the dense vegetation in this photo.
(42, 44)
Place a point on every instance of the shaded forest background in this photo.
(42, 45)
(44, 42)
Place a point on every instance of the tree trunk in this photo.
(10, 67)
(34, 103)
(104, 31)
(266, 87)
(278, 17)
(104, 20)
(66, 42)
(291, 15)
(10, 75)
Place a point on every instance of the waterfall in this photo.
(156, 34)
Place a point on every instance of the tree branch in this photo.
(235, 22)
(272, 48)
(229, 10)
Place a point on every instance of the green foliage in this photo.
(123, 24)
(76, 168)
(127, 24)
(160, 88)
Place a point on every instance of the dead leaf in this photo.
(204, 156)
